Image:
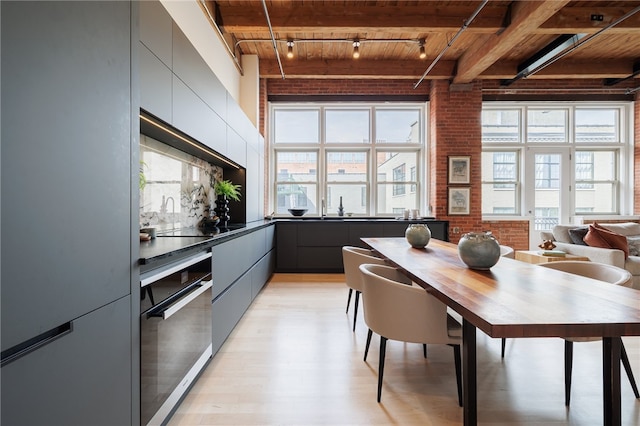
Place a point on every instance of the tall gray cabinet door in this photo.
(81, 378)
(66, 162)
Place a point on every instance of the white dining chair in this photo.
(396, 310)
(352, 258)
(603, 272)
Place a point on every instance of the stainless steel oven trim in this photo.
(181, 303)
(174, 268)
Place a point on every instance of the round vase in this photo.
(222, 209)
(479, 250)
(418, 235)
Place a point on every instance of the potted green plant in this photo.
(228, 189)
(225, 190)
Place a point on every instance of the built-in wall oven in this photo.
(175, 333)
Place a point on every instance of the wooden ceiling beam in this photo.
(357, 69)
(526, 17)
(317, 18)
(573, 20)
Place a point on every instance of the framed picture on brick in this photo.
(459, 200)
(459, 169)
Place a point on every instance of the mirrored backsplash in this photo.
(176, 188)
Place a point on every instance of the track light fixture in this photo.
(356, 49)
(289, 49)
(423, 53)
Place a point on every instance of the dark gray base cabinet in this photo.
(81, 378)
(241, 267)
(316, 246)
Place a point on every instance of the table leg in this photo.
(469, 380)
(611, 349)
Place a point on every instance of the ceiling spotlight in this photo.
(423, 53)
(289, 49)
(356, 49)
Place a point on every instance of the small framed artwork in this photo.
(459, 169)
(459, 200)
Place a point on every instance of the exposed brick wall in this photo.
(455, 126)
(345, 87)
(512, 233)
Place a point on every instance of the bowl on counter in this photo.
(297, 212)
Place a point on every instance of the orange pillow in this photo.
(598, 236)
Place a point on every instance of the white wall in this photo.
(250, 88)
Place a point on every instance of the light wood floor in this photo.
(293, 360)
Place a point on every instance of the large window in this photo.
(575, 153)
(367, 156)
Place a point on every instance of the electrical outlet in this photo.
(456, 230)
(598, 18)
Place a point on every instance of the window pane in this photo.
(597, 125)
(500, 126)
(297, 195)
(549, 125)
(296, 166)
(389, 203)
(499, 200)
(346, 166)
(388, 164)
(500, 182)
(596, 181)
(296, 126)
(352, 199)
(393, 126)
(347, 126)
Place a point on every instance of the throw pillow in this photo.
(634, 246)
(600, 237)
(577, 235)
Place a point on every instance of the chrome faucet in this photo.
(163, 208)
(322, 209)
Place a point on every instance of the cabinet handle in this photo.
(166, 311)
(28, 346)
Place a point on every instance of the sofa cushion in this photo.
(634, 245)
(626, 229)
(561, 233)
(577, 235)
(601, 237)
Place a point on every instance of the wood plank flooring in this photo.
(293, 360)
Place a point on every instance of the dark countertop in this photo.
(170, 246)
(174, 245)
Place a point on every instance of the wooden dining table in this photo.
(517, 299)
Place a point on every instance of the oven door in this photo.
(175, 341)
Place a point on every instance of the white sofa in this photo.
(561, 238)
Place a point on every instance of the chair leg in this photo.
(355, 310)
(366, 348)
(504, 343)
(349, 300)
(383, 349)
(627, 368)
(424, 349)
(568, 367)
(458, 362)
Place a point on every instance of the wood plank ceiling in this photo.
(463, 40)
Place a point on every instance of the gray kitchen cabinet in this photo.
(228, 308)
(156, 31)
(189, 67)
(314, 245)
(155, 87)
(69, 114)
(66, 162)
(81, 378)
(241, 267)
(236, 147)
